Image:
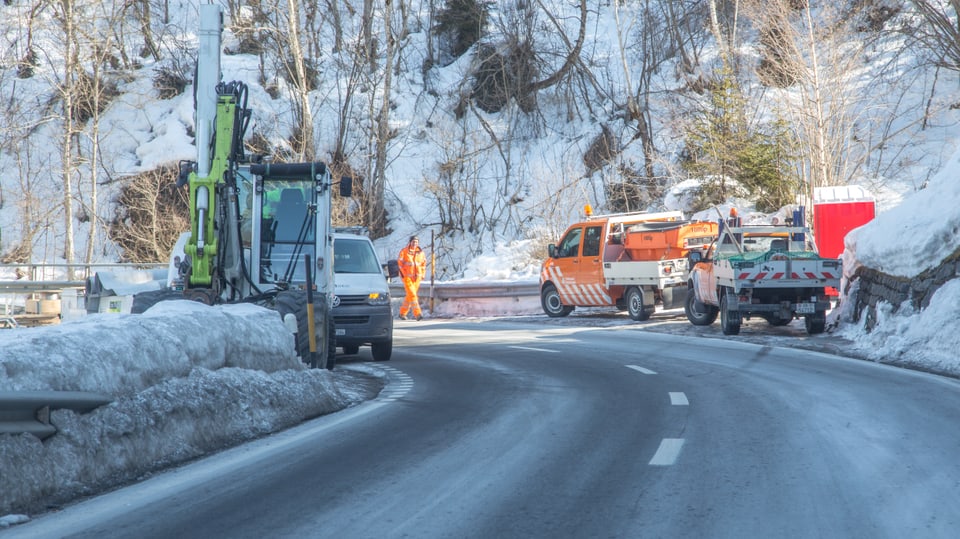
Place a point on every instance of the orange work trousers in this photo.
(411, 301)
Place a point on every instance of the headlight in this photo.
(376, 298)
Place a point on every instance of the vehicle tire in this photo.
(351, 349)
(729, 321)
(382, 351)
(295, 302)
(815, 322)
(635, 307)
(331, 342)
(550, 301)
(699, 314)
(144, 300)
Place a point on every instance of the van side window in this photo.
(591, 241)
(570, 245)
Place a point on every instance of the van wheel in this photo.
(635, 307)
(382, 351)
(550, 301)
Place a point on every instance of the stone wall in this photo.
(876, 286)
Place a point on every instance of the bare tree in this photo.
(150, 214)
(376, 217)
(69, 90)
(826, 103)
(940, 32)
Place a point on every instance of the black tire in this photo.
(635, 307)
(550, 301)
(381, 351)
(816, 322)
(729, 321)
(351, 349)
(295, 302)
(699, 314)
(331, 341)
(144, 300)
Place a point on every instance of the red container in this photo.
(836, 211)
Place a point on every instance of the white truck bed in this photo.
(659, 273)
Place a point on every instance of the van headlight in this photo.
(376, 298)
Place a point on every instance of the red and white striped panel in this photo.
(755, 276)
(580, 295)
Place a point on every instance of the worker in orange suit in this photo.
(413, 266)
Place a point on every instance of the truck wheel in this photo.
(699, 314)
(295, 302)
(381, 351)
(815, 322)
(144, 300)
(729, 320)
(635, 306)
(550, 301)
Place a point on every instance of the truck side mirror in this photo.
(552, 250)
(393, 269)
(346, 186)
(695, 257)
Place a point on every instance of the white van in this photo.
(361, 302)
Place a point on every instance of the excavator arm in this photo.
(222, 118)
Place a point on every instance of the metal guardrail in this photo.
(445, 291)
(29, 411)
(31, 287)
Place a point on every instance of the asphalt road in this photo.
(537, 428)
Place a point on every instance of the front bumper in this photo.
(363, 324)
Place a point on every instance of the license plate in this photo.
(341, 332)
(806, 308)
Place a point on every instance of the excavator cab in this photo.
(286, 229)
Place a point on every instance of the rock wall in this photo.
(876, 286)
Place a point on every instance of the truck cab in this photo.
(361, 301)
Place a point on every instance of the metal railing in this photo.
(445, 291)
(29, 411)
(38, 278)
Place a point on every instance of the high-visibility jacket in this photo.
(412, 262)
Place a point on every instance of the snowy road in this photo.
(532, 429)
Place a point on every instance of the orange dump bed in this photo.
(672, 239)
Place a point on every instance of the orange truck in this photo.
(631, 261)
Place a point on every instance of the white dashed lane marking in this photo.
(534, 349)
(668, 452)
(399, 385)
(669, 449)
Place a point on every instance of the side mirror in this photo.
(346, 186)
(552, 250)
(695, 257)
(393, 269)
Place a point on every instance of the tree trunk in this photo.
(305, 137)
(69, 88)
(375, 198)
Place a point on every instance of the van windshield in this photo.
(354, 256)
